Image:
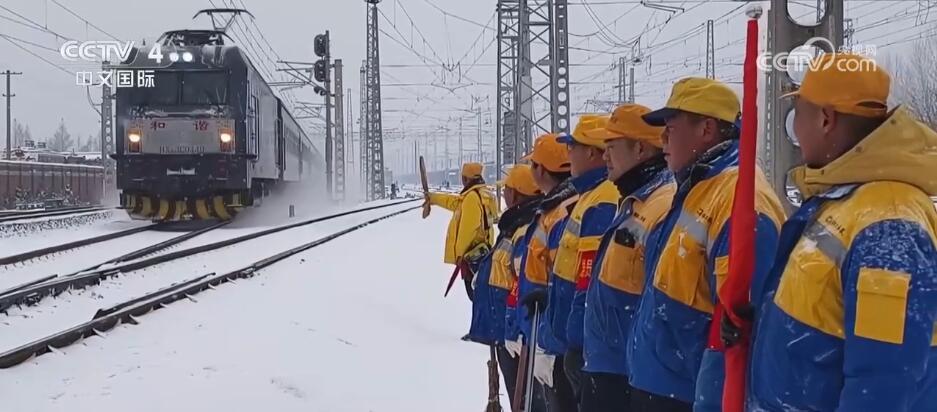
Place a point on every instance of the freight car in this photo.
(209, 138)
(49, 184)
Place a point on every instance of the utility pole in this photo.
(350, 127)
(631, 85)
(9, 95)
(107, 137)
(710, 50)
(622, 89)
(339, 132)
(375, 131)
(481, 158)
(461, 162)
(780, 151)
(364, 177)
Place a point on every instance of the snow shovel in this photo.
(425, 183)
(494, 401)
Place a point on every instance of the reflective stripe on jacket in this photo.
(592, 214)
(687, 259)
(851, 325)
(613, 295)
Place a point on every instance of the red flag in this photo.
(735, 291)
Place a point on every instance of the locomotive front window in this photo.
(205, 88)
(165, 91)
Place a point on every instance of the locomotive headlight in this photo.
(225, 137)
(134, 136)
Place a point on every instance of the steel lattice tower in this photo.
(363, 132)
(339, 135)
(533, 74)
(780, 152)
(506, 127)
(373, 86)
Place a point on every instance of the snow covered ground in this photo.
(25, 235)
(357, 324)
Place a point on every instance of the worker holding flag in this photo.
(851, 325)
(672, 367)
(470, 233)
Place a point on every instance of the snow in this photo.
(357, 324)
(12, 243)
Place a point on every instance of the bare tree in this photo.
(914, 80)
(20, 134)
(61, 141)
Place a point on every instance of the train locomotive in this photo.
(208, 137)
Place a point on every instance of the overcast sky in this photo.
(417, 100)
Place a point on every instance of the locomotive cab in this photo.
(204, 138)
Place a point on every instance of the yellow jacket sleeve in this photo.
(447, 201)
(470, 232)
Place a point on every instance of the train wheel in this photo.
(220, 209)
(164, 212)
(146, 206)
(202, 211)
(180, 210)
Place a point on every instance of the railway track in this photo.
(12, 217)
(32, 254)
(34, 291)
(130, 310)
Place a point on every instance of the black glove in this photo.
(730, 333)
(535, 299)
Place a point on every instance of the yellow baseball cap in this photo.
(521, 178)
(698, 95)
(849, 83)
(586, 123)
(472, 169)
(549, 153)
(626, 123)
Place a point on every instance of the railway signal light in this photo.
(321, 44)
(321, 70)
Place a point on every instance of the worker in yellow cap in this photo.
(562, 327)
(549, 163)
(638, 170)
(670, 366)
(497, 274)
(851, 326)
(469, 236)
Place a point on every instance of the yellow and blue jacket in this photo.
(561, 326)
(473, 217)
(851, 325)
(618, 281)
(497, 275)
(687, 260)
(542, 241)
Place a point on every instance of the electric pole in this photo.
(780, 151)
(364, 177)
(460, 142)
(107, 137)
(622, 89)
(710, 50)
(339, 132)
(631, 84)
(373, 84)
(9, 95)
